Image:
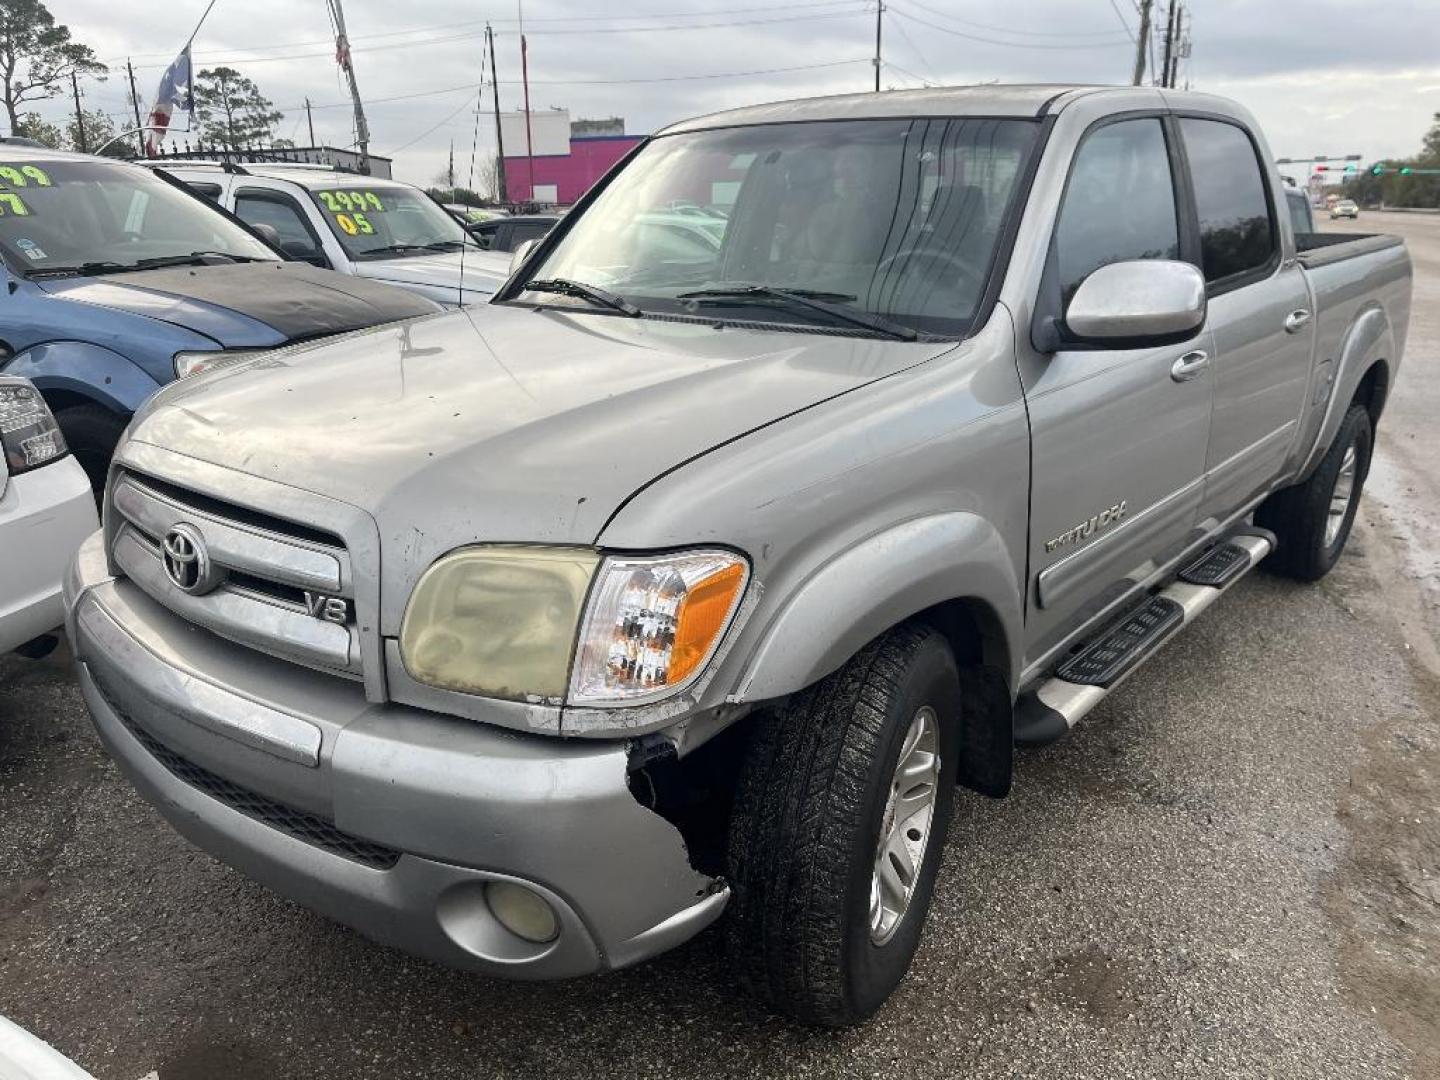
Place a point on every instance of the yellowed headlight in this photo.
(498, 620)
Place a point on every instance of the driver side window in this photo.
(1119, 203)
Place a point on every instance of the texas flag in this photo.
(174, 93)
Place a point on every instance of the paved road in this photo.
(1231, 870)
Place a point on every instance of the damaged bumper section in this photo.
(515, 855)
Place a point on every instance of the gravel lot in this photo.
(1230, 870)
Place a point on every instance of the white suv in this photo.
(381, 229)
(46, 509)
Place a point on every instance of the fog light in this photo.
(523, 912)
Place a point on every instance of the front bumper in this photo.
(387, 818)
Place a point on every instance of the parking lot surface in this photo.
(1230, 869)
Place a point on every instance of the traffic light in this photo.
(1377, 170)
(1351, 167)
(1322, 168)
(1405, 170)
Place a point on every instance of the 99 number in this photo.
(338, 202)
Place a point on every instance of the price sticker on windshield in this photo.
(348, 202)
(354, 224)
(19, 176)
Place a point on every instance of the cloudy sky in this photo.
(1324, 76)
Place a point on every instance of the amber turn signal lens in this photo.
(702, 615)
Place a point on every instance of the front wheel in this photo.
(840, 815)
(1313, 520)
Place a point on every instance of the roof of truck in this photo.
(308, 176)
(984, 100)
(989, 99)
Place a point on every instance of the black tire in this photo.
(91, 432)
(1298, 515)
(806, 823)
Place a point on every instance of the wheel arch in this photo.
(950, 571)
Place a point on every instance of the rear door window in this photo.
(1238, 238)
(1119, 203)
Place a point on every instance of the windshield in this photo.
(388, 222)
(59, 214)
(896, 218)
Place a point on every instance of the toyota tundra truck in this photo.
(689, 583)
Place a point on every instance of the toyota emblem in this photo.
(187, 562)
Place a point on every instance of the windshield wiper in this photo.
(813, 299)
(596, 295)
(87, 269)
(185, 260)
(396, 249)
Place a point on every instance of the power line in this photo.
(451, 38)
(924, 62)
(1123, 21)
(590, 82)
(1006, 30)
(992, 41)
(542, 19)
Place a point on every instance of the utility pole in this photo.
(529, 140)
(1141, 41)
(450, 170)
(310, 122)
(1182, 47)
(342, 57)
(135, 102)
(499, 135)
(1169, 42)
(79, 115)
(879, 13)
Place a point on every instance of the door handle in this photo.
(1189, 365)
(1296, 320)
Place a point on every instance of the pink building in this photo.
(563, 178)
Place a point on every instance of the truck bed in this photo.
(1317, 249)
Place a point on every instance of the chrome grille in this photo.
(266, 564)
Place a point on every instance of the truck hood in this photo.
(438, 275)
(246, 305)
(498, 423)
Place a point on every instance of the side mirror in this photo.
(522, 253)
(268, 233)
(303, 252)
(1138, 303)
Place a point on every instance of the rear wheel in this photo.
(840, 815)
(1312, 521)
(91, 432)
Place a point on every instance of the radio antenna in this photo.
(470, 176)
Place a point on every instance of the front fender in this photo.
(876, 584)
(105, 377)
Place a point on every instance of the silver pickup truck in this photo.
(682, 581)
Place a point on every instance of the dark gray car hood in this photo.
(247, 305)
(498, 423)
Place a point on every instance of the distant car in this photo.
(472, 215)
(508, 233)
(365, 226)
(46, 510)
(119, 279)
(1345, 208)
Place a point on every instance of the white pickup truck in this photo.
(368, 226)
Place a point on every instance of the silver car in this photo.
(690, 580)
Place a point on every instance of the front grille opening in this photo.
(309, 828)
(273, 590)
(220, 508)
